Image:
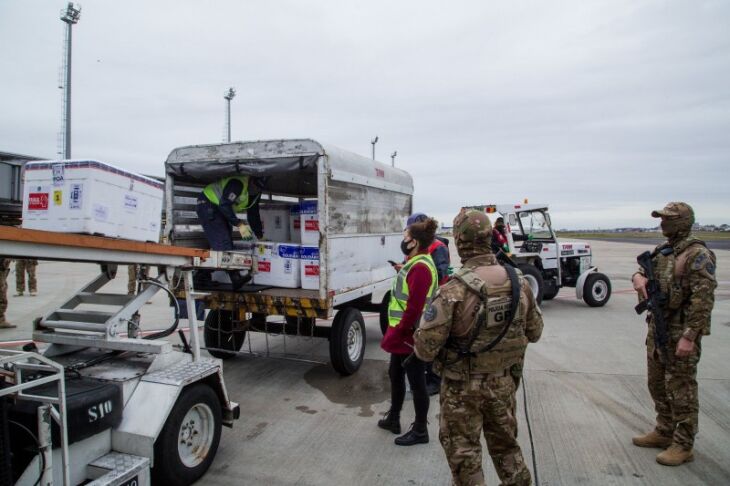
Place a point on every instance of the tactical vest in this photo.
(214, 192)
(399, 292)
(509, 351)
(670, 268)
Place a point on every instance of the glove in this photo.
(245, 231)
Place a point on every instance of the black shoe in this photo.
(418, 434)
(390, 422)
(433, 388)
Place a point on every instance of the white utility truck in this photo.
(547, 263)
(101, 403)
(345, 214)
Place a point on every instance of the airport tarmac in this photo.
(585, 390)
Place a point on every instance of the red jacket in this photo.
(399, 339)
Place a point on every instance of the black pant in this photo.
(216, 227)
(416, 371)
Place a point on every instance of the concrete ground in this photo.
(585, 388)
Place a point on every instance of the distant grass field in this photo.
(703, 235)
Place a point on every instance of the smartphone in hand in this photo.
(392, 262)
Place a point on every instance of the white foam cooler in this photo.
(88, 196)
(278, 264)
(309, 223)
(275, 221)
(309, 260)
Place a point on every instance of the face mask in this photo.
(404, 247)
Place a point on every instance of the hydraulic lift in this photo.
(103, 405)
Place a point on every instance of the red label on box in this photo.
(264, 266)
(311, 225)
(311, 270)
(38, 200)
(297, 223)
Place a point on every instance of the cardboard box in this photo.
(88, 196)
(278, 264)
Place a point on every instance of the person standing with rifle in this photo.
(676, 284)
(413, 287)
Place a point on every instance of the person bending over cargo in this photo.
(218, 206)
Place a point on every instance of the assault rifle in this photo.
(654, 303)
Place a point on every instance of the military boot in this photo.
(6, 325)
(390, 422)
(653, 439)
(675, 455)
(418, 434)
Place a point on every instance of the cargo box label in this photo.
(288, 251)
(264, 266)
(311, 270)
(57, 174)
(38, 201)
(74, 200)
(311, 225)
(130, 202)
(309, 253)
(57, 197)
(101, 213)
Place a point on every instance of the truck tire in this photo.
(219, 333)
(347, 341)
(189, 440)
(596, 290)
(534, 278)
(384, 313)
(549, 294)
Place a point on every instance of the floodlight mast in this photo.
(392, 157)
(374, 141)
(230, 94)
(70, 16)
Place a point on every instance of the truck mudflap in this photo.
(580, 283)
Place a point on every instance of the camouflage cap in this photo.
(472, 232)
(675, 210)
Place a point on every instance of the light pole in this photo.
(70, 16)
(230, 94)
(374, 141)
(392, 157)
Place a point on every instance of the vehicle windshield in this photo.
(533, 224)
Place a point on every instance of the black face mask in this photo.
(404, 247)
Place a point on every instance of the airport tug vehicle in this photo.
(104, 403)
(547, 263)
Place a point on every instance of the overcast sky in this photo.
(603, 109)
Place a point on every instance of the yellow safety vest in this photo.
(214, 192)
(399, 292)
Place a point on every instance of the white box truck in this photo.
(361, 209)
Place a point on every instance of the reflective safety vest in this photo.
(399, 292)
(214, 192)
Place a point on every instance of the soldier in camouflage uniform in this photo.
(468, 314)
(685, 269)
(4, 270)
(22, 267)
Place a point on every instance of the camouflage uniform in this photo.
(478, 391)
(686, 274)
(21, 268)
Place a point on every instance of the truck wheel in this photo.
(549, 294)
(596, 290)
(534, 278)
(189, 440)
(347, 341)
(219, 333)
(384, 312)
